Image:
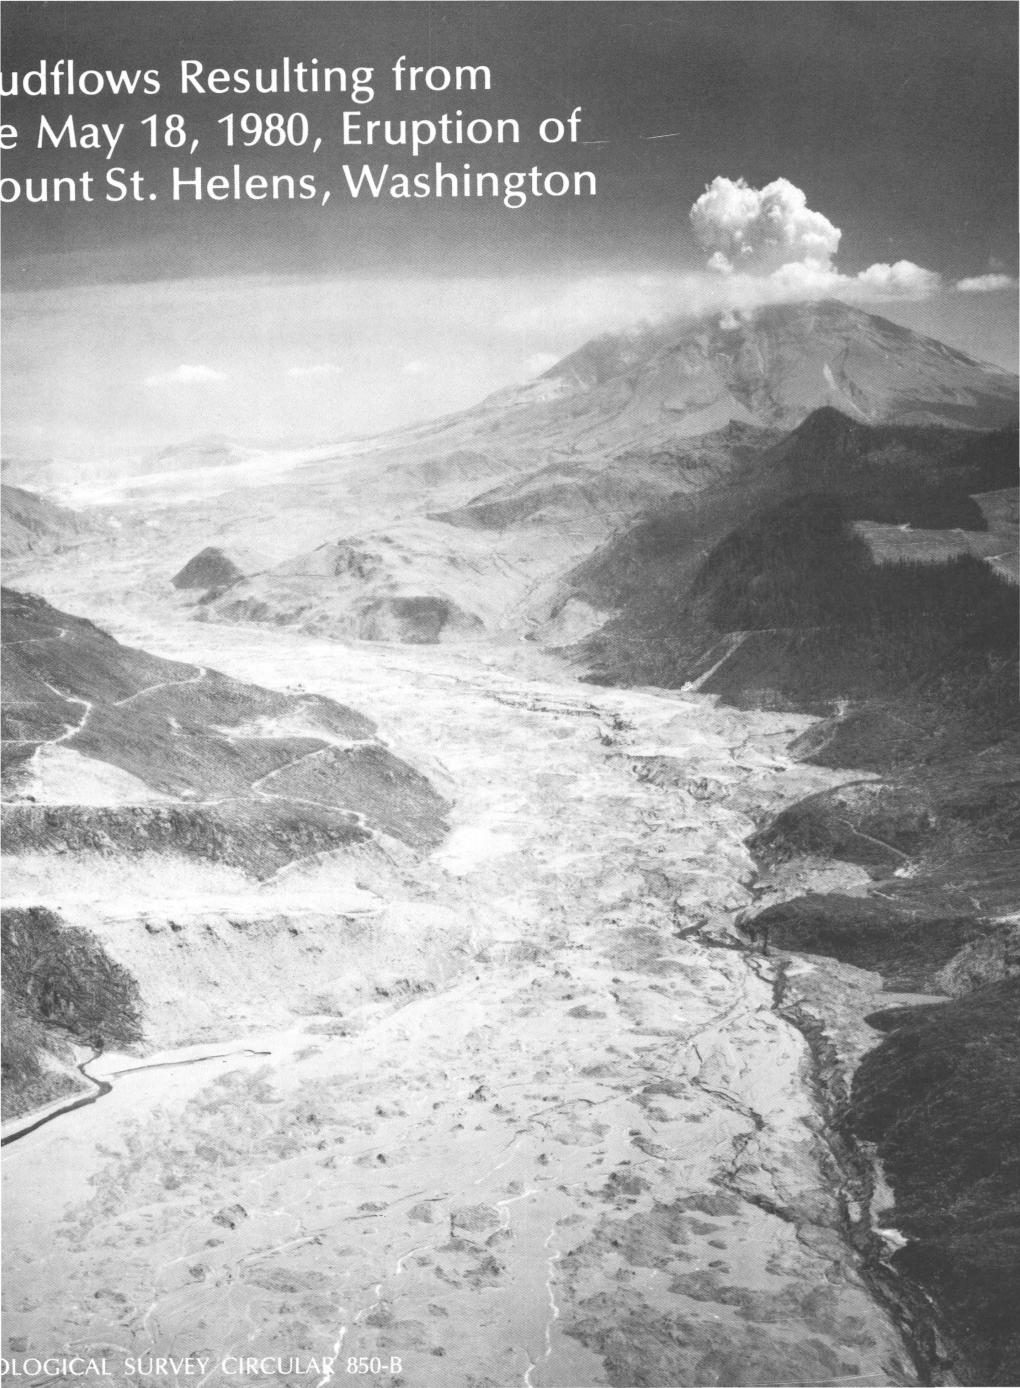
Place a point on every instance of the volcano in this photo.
(685, 377)
(639, 415)
(632, 422)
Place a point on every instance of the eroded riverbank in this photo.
(586, 1150)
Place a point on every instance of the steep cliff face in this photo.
(59, 986)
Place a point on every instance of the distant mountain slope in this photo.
(650, 386)
(31, 524)
(656, 416)
(775, 366)
(205, 451)
(503, 557)
(735, 589)
(469, 523)
(566, 491)
(109, 749)
(21, 471)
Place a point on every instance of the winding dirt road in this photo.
(594, 1158)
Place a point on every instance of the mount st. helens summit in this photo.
(771, 367)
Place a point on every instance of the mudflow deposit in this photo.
(528, 899)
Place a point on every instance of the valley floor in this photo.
(570, 1147)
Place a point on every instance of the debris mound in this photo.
(210, 568)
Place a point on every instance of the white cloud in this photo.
(599, 305)
(807, 280)
(539, 362)
(767, 246)
(186, 376)
(761, 229)
(300, 373)
(904, 280)
(985, 284)
(413, 368)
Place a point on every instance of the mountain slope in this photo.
(469, 523)
(568, 492)
(753, 554)
(206, 451)
(651, 418)
(31, 524)
(684, 377)
(941, 1099)
(615, 430)
(109, 749)
(782, 362)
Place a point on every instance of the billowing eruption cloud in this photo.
(772, 247)
(761, 230)
(764, 246)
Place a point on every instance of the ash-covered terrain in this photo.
(531, 896)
